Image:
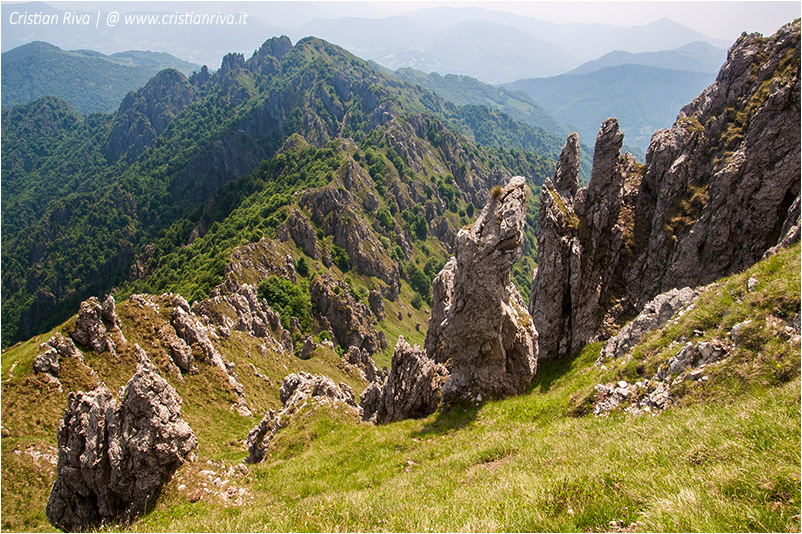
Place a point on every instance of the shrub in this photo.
(288, 300)
(302, 267)
(417, 302)
(495, 192)
(340, 258)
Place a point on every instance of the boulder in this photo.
(115, 455)
(308, 348)
(47, 361)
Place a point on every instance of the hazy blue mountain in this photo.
(698, 56)
(88, 80)
(585, 41)
(464, 90)
(643, 98)
(491, 52)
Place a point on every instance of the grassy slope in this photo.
(724, 457)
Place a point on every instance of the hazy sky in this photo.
(723, 20)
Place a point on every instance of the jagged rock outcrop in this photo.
(337, 210)
(350, 320)
(376, 303)
(718, 190)
(485, 330)
(145, 113)
(242, 310)
(47, 361)
(654, 315)
(191, 329)
(114, 456)
(442, 299)
(296, 392)
(90, 329)
(308, 348)
(412, 388)
(362, 359)
(303, 233)
(253, 262)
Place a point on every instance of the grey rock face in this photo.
(303, 233)
(241, 310)
(370, 400)
(47, 361)
(654, 315)
(362, 359)
(716, 193)
(486, 331)
(350, 320)
(89, 327)
(442, 299)
(308, 348)
(296, 392)
(109, 312)
(412, 388)
(115, 456)
(376, 303)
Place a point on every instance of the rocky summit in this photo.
(718, 190)
(485, 334)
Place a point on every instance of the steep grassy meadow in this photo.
(723, 457)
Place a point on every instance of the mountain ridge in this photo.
(40, 69)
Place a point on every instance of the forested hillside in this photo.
(90, 196)
(90, 81)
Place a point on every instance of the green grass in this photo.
(723, 457)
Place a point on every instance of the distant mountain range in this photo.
(88, 80)
(697, 57)
(500, 47)
(643, 98)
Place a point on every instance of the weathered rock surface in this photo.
(485, 331)
(412, 388)
(114, 456)
(442, 300)
(241, 310)
(337, 211)
(654, 315)
(308, 348)
(718, 190)
(376, 303)
(47, 361)
(654, 393)
(89, 328)
(252, 263)
(362, 359)
(303, 233)
(350, 320)
(296, 392)
(191, 329)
